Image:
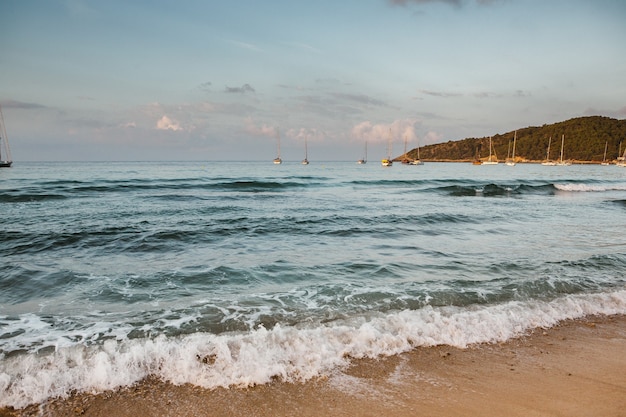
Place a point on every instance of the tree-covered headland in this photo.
(585, 141)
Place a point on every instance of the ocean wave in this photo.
(287, 353)
(590, 187)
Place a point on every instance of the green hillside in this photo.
(585, 139)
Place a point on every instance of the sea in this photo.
(235, 274)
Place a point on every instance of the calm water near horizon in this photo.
(236, 273)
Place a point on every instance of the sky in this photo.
(143, 80)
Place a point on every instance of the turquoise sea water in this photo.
(237, 273)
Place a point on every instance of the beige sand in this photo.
(575, 369)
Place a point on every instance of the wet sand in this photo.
(575, 369)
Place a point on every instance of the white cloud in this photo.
(398, 129)
(433, 137)
(263, 130)
(165, 123)
(306, 133)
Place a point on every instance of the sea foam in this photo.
(578, 187)
(285, 353)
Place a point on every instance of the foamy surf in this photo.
(285, 353)
(578, 187)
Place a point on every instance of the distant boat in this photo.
(548, 162)
(408, 161)
(405, 158)
(417, 161)
(4, 145)
(493, 158)
(621, 160)
(606, 146)
(277, 160)
(364, 159)
(387, 162)
(511, 161)
(561, 161)
(305, 161)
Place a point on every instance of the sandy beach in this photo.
(575, 369)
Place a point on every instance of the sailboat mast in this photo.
(514, 140)
(562, 143)
(4, 142)
(277, 160)
(405, 146)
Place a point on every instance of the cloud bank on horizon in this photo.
(194, 80)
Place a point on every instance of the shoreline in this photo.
(576, 368)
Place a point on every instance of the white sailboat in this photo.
(417, 161)
(305, 161)
(277, 160)
(621, 160)
(387, 162)
(4, 145)
(492, 155)
(561, 161)
(604, 161)
(511, 162)
(548, 162)
(364, 159)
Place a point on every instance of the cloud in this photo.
(359, 98)
(479, 94)
(246, 88)
(440, 93)
(14, 104)
(263, 130)
(405, 2)
(432, 137)
(398, 129)
(302, 133)
(245, 45)
(165, 123)
(205, 86)
(303, 46)
(455, 3)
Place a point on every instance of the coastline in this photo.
(576, 368)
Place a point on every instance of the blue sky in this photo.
(215, 80)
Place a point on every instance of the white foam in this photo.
(590, 187)
(290, 353)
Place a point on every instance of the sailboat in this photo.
(387, 162)
(417, 161)
(4, 145)
(305, 161)
(511, 162)
(561, 162)
(492, 155)
(364, 159)
(277, 160)
(604, 161)
(621, 160)
(405, 159)
(548, 162)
